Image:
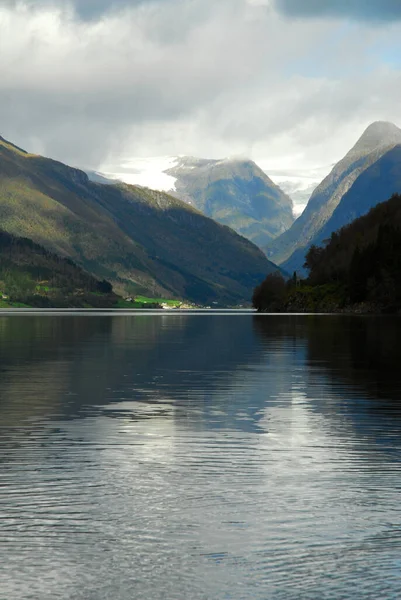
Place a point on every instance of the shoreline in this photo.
(125, 312)
(353, 310)
(81, 312)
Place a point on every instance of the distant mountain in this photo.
(379, 138)
(236, 193)
(31, 275)
(140, 240)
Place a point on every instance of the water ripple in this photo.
(195, 458)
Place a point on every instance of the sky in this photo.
(291, 84)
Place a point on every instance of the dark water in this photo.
(200, 457)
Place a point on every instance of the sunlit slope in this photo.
(140, 240)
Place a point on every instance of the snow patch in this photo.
(147, 172)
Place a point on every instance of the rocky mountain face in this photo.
(140, 240)
(346, 193)
(236, 193)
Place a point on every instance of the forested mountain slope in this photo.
(31, 275)
(357, 270)
(364, 257)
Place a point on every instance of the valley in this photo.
(200, 243)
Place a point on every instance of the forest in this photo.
(30, 275)
(357, 269)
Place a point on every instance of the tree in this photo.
(313, 258)
(270, 294)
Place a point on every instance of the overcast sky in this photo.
(288, 82)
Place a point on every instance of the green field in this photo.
(144, 301)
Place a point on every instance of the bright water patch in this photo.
(199, 457)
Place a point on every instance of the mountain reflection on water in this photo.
(199, 457)
(356, 355)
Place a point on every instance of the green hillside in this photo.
(143, 242)
(33, 276)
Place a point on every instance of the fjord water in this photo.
(200, 457)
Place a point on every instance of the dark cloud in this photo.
(85, 9)
(89, 9)
(363, 10)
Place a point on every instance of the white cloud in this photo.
(199, 77)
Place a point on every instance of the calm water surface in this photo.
(200, 457)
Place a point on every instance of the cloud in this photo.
(191, 77)
(360, 10)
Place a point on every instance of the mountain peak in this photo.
(378, 135)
